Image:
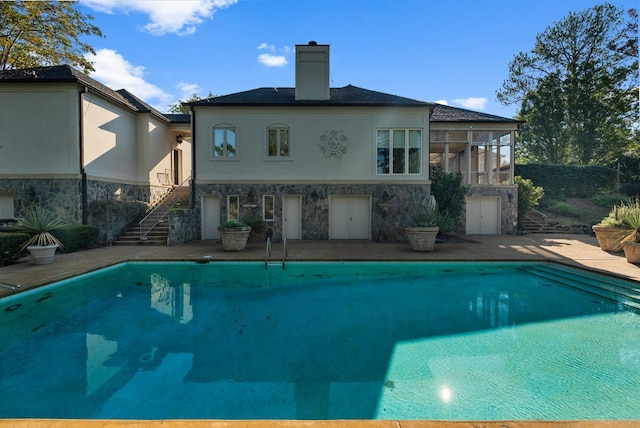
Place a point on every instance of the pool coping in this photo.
(70, 423)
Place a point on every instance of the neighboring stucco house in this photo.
(343, 163)
(67, 140)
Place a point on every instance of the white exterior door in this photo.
(483, 215)
(210, 217)
(291, 217)
(6, 207)
(349, 217)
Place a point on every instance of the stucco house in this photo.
(315, 162)
(318, 162)
(66, 140)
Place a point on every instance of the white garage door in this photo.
(349, 217)
(483, 215)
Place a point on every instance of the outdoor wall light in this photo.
(179, 138)
(385, 207)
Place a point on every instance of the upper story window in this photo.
(224, 142)
(399, 151)
(278, 142)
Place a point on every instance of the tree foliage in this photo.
(180, 107)
(41, 33)
(578, 88)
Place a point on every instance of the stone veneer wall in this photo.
(183, 227)
(64, 195)
(386, 224)
(61, 194)
(508, 195)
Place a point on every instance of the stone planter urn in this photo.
(234, 238)
(42, 254)
(632, 251)
(610, 238)
(422, 238)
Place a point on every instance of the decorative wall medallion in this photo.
(333, 143)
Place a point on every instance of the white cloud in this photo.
(472, 103)
(165, 16)
(272, 60)
(263, 46)
(118, 73)
(277, 56)
(443, 102)
(188, 89)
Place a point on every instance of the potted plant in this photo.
(612, 231)
(39, 223)
(422, 236)
(630, 213)
(234, 235)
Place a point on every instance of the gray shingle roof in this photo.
(443, 113)
(346, 96)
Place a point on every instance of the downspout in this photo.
(192, 198)
(84, 200)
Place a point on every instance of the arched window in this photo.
(278, 141)
(224, 141)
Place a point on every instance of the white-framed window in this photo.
(399, 151)
(233, 207)
(224, 144)
(278, 142)
(268, 206)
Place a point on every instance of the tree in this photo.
(544, 132)
(41, 33)
(179, 107)
(581, 79)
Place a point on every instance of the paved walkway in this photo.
(576, 250)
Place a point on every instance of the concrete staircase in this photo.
(536, 222)
(154, 228)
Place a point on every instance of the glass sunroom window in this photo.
(399, 151)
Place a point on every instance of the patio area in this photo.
(575, 250)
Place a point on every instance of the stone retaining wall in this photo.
(388, 220)
(184, 226)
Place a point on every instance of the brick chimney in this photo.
(312, 72)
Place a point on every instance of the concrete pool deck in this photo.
(575, 250)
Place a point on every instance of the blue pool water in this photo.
(454, 341)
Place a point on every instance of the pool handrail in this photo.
(8, 286)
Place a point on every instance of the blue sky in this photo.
(451, 51)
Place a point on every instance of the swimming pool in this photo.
(231, 340)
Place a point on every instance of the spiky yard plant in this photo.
(39, 222)
(629, 212)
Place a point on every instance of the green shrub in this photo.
(233, 223)
(449, 191)
(565, 209)
(608, 200)
(632, 188)
(562, 181)
(76, 237)
(10, 243)
(258, 225)
(529, 196)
